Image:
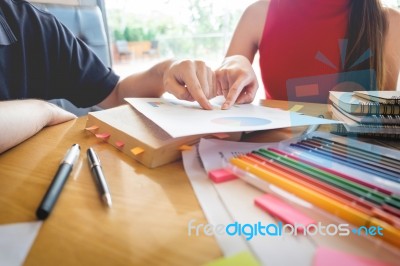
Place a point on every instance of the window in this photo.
(144, 32)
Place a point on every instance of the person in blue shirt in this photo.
(40, 59)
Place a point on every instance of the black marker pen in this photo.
(58, 182)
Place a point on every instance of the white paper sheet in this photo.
(222, 204)
(214, 152)
(16, 241)
(182, 118)
(211, 204)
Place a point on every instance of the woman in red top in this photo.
(310, 47)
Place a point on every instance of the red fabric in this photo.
(294, 32)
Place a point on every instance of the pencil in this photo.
(391, 169)
(358, 154)
(345, 162)
(342, 196)
(358, 218)
(354, 188)
(332, 171)
(324, 202)
(379, 157)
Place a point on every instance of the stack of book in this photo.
(366, 113)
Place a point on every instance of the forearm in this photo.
(21, 119)
(148, 83)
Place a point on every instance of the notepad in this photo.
(240, 259)
(221, 175)
(330, 257)
(385, 97)
(351, 126)
(349, 103)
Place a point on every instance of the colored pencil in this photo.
(380, 157)
(345, 162)
(353, 158)
(343, 211)
(365, 155)
(320, 187)
(332, 171)
(352, 187)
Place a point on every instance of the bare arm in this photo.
(248, 32)
(391, 51)
(21, 119)
(236, 79)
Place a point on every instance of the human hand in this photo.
(192, 81)
(21, 119)
(236, 80)
(56, 115)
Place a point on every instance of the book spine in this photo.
(370, 125)
(381, 119)
(376, 108)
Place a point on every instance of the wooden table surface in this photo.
(147, 224)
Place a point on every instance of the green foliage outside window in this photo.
(206, 34)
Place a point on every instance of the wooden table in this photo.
(147, 224)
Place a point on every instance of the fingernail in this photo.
(225, 106)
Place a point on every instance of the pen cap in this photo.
(72, 154)
(92, 158)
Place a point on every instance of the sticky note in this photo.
(103, 136)
(283, 211)
(221, 175)
(221, 135)
(185, 148)
(137, 150)
(239, 259)
(329, 257)
(296, 108)
(92, 128)
(119, 144)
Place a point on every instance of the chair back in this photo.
(86, 19)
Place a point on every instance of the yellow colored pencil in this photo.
(355, 217)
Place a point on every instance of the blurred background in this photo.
(145, 32)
